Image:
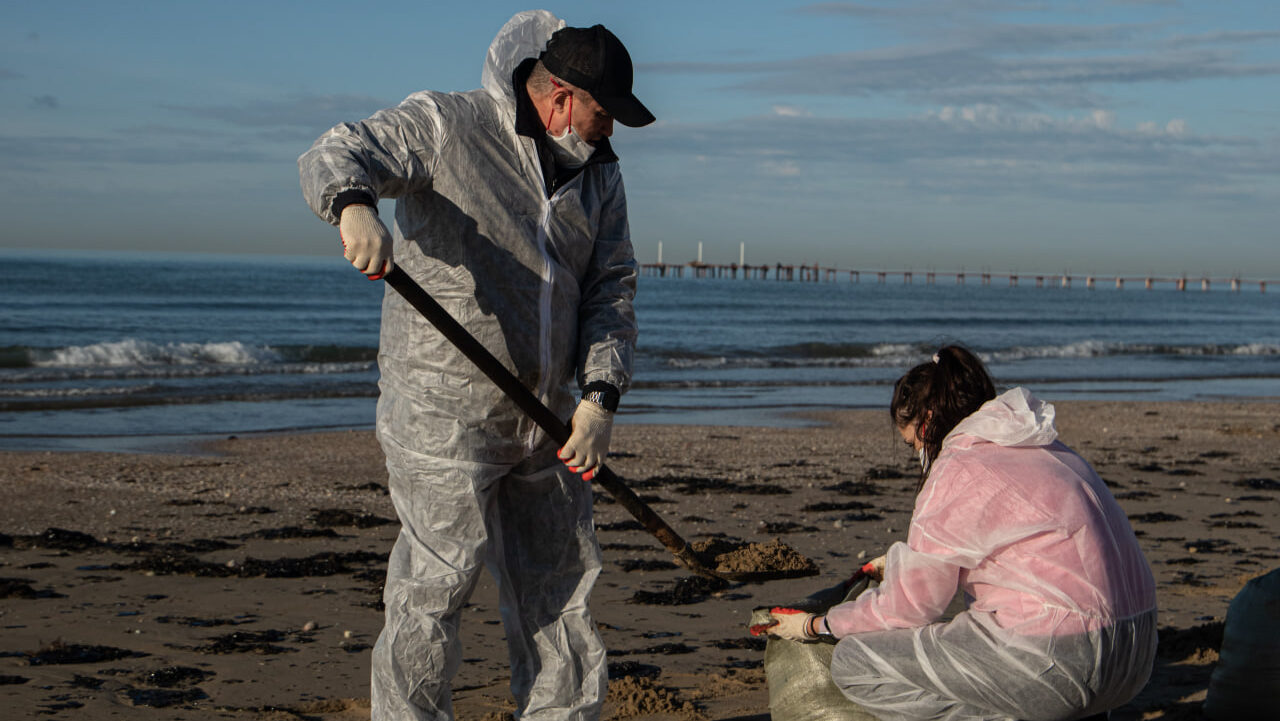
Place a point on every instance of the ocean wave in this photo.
(59, 392)
(56, 374)
(1127, 383)
(133, 358)
(133, 352)
(889, 355)
(73, 399)
(1256, 349)
(1099, 349)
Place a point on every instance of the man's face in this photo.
(590, 121)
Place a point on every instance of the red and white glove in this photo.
(875, 568)
(365, 241)
(789, 623)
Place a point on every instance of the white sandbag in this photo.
(799, 674)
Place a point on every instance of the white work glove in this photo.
(789, 623)
(589, 443)
(366, 242)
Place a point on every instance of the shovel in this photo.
(559, 431)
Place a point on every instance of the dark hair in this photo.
(937, 395)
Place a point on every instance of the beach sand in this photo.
(242, 581)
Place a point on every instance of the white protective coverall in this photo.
(544, 277)
(1061, 621)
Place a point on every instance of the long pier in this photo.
(817, 273)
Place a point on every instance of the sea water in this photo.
(125, 350)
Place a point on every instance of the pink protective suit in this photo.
(1061, 616)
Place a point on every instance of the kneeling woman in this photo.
(1061, 619)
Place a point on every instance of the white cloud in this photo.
(784, 168)
(976, 60)
(791, 111)
(989, 116)
(992, 116)
(981, 151)
(1176, 128)
(981, 113)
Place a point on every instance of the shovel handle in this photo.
(536, 409)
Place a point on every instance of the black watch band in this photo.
(602, 394)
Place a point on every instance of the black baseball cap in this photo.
(595, 60)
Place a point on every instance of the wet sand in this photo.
(242, 581)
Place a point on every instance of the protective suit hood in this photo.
(524, 36)
(1014, 418)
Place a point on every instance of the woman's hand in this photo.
(789, 623)
(874, 569)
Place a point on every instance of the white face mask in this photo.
(570, 150)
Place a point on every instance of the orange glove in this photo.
(875, 568)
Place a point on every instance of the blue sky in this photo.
(1108, 136)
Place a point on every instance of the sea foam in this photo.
(133, 352)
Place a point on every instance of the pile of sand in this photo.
(638, 696)
(736, 558)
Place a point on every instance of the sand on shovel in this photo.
(753, 561)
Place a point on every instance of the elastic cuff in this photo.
(352, 197)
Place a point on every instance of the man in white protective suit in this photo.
(511, 212)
